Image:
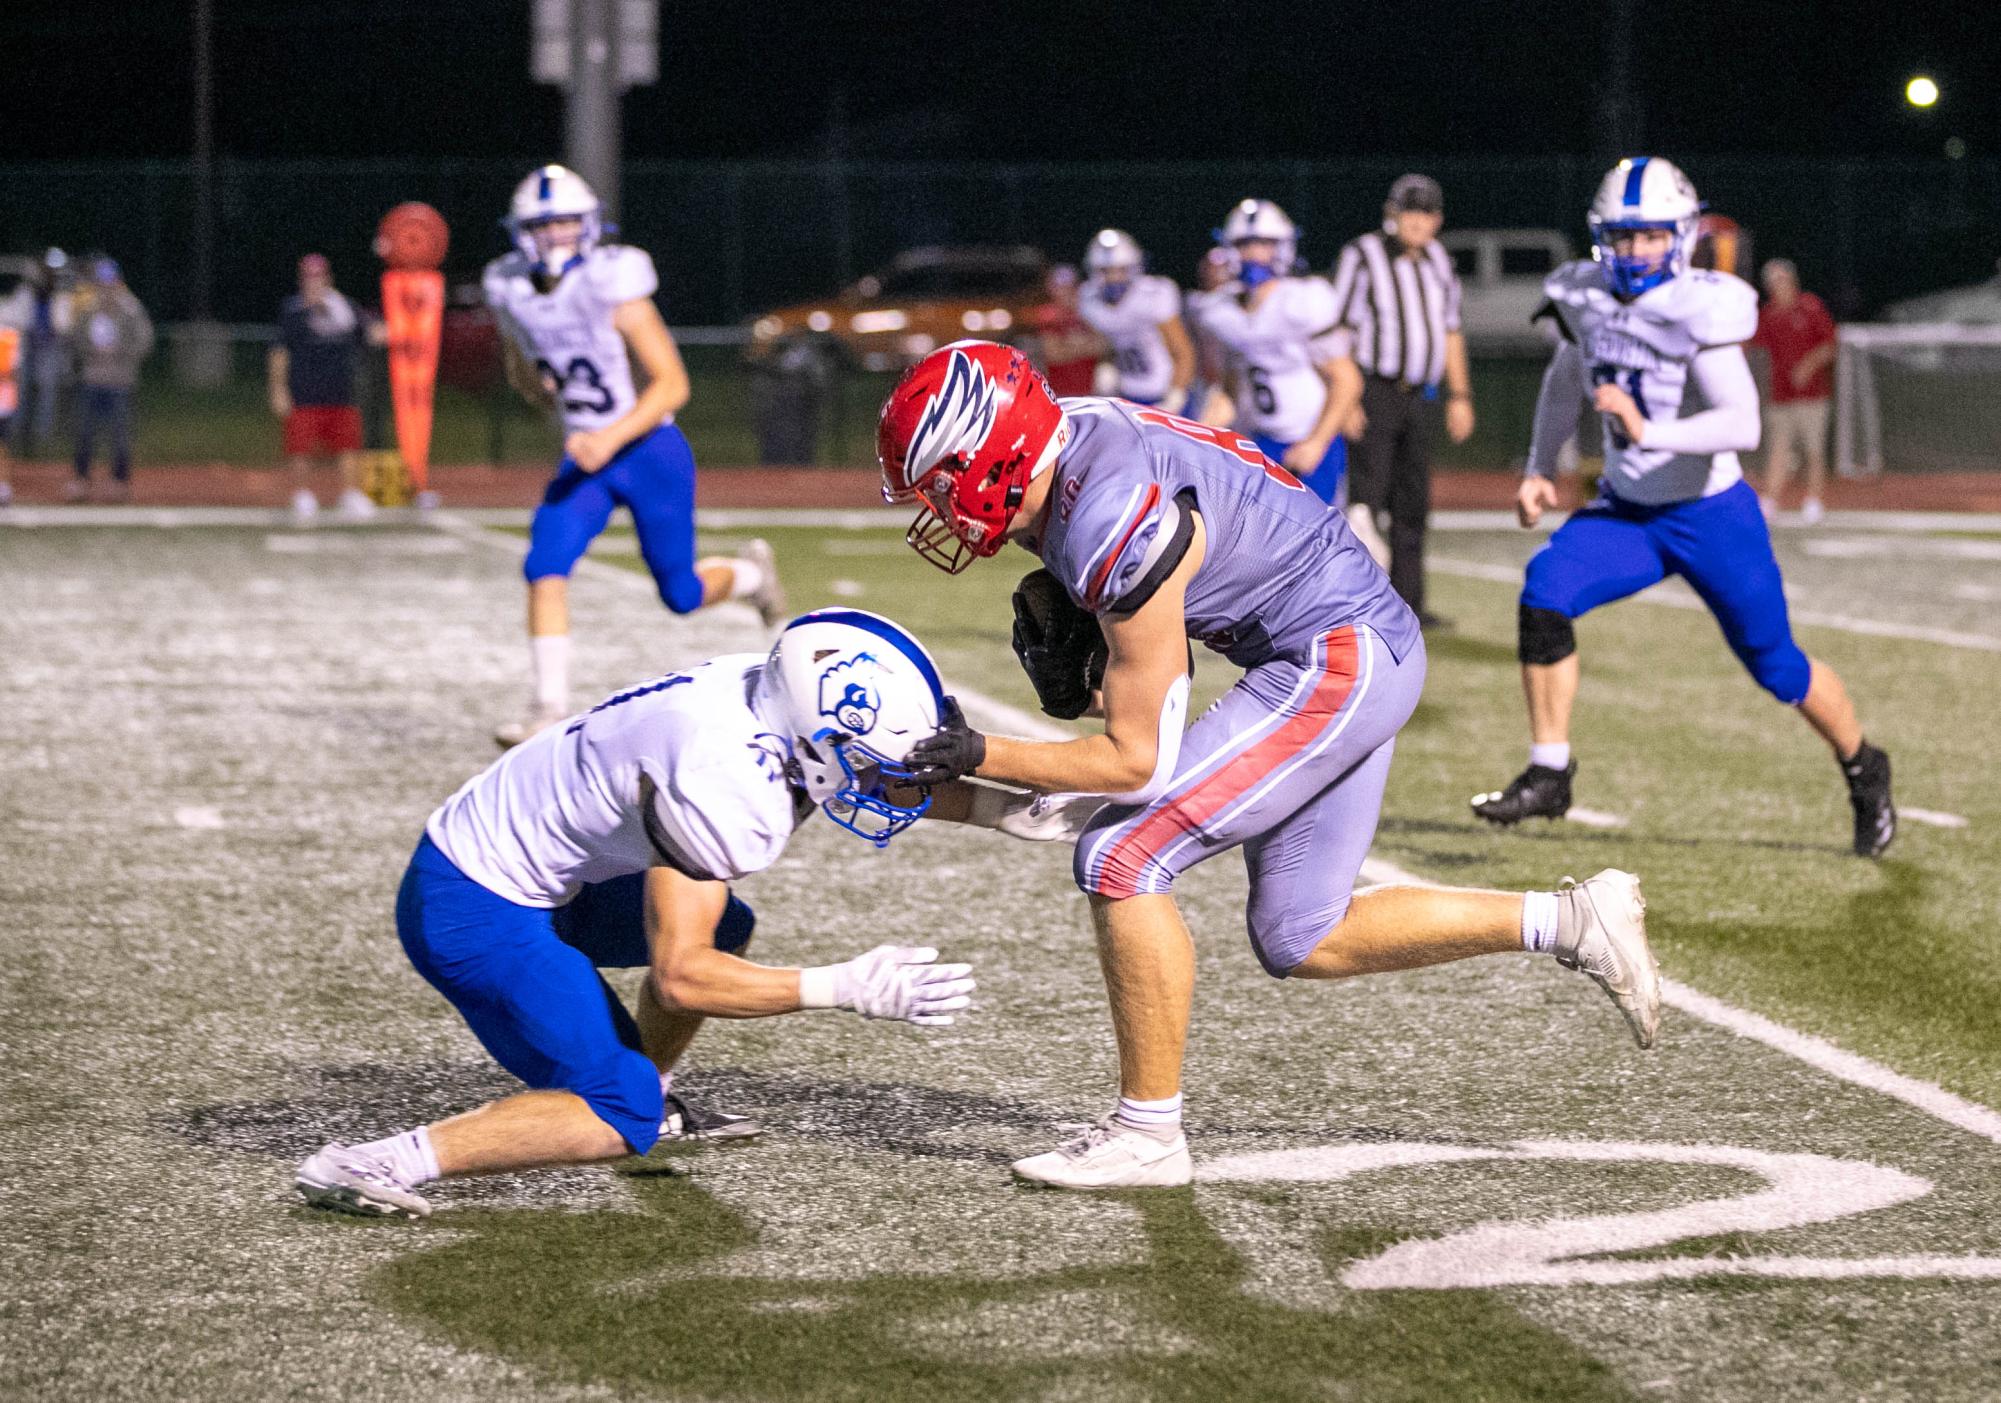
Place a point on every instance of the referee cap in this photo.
(1416, 193)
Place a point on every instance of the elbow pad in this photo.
(1167, 749)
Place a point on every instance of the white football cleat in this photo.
(344, 1180)
(1601, 928)
(512, 733)
(1111, 1155)
(356, 505)
(769, 597)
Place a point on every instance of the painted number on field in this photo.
(1799, 1189)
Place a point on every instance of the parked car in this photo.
(923, 299)
(1502, 272)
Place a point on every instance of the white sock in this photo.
(551, 652)
(1159, 1117)
(409, 1154)
(1539, 922)
(746, 577)
(667, 1081)
(1551, 755)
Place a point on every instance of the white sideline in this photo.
(1818, 1053)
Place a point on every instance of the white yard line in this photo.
(1594, 818)
(1816, 1052)
(1936, 818)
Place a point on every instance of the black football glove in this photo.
(1061, 647)
(952, 752)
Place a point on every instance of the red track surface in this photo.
(520, 485)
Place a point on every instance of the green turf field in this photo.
(221, 743)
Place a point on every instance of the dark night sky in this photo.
(744, 79)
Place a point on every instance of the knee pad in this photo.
(1544, 636)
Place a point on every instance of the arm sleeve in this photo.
(1556, 408)
(1316, 313)
(1730, 423)
(1454, 294)
(1120, 552)
(1165, 304)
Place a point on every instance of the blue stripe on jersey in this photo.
(1633, 178)
(882, 628)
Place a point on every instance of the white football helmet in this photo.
(1643, 192)
(1115, 261)
(551, 193)
(1260, 219)
(851, 693)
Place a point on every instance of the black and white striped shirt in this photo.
(1400, 309)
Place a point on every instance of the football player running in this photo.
(1157, 530)
(1286, 357)
(1657, 346)
(1139, 314)
(576, 313)
(612, 841)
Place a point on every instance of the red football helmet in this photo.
(963, 433)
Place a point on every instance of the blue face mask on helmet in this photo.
(1627, 275)
(1253, 275)
(862, 804)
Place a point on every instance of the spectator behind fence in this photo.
(311, 370)
(1066, 347)
(1399, 293)
(111, 336)
(41, 310)
(1795, 330)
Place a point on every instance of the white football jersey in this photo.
(1132, 325)
(1645, 347)
(679, 771)
(1274, 351)
(567, 331)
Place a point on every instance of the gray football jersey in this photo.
(1280, 569)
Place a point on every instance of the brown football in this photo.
(413, 235)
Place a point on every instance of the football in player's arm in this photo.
(1164, 530)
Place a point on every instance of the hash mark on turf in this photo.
(1937, 818)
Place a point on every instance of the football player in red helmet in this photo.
(1158, 530)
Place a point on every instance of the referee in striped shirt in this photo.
(1399, 295)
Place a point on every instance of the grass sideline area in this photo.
(226, 740)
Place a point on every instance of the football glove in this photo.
(903, 982)
(1061, 647)
(953, 751)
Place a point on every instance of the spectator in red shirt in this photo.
(1068, 350)
(1795, 330)
(311, 371)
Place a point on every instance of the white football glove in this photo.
(891, 981)
(1036, 818)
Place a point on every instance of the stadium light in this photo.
(1921, 91)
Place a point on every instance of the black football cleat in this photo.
(1868, 774)
(681, 1121)
(1537, 792)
